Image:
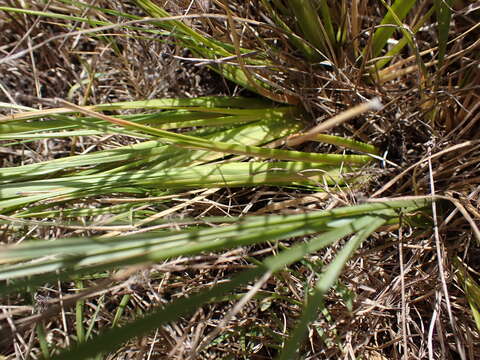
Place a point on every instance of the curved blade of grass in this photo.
(191, 142)
(155, 154)
(312, 27)
(89, 255)
(444, 15)
(420, 66)
(403, 41)
(318, 220)
(195, 142)
(84, 253)
(397, 11)
(176, 119)
(227, 105)
(327, 280)
(113, 338)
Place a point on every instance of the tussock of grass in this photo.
(208, 179)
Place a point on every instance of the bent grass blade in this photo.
(111, 339)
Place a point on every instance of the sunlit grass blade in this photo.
(226, 105)
(120, 309)
(471, 288)
(347, 143)
(234, 174)
(191, 142)
(403, 41)
(312, 27)
(398, 10)
(164, 244)
(199, 143)
(327, 280)
(273, 125)
(100, 254)
(111, 339)
(176, 119)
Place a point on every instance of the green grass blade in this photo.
(398, 10)
(209, 104)
(273, 126)
(403, 41)
(328, 279)
(80, 253)
(84, 255)
(120, 309)
(311, 25)
(471, 288)
(204, 46)
(233, 174)
(100, 304)
(327, 22)
(444, 15)
(42, 339)
(192, 142)
(111, 339)
(298, 42)
(79, 310)
(347, 143)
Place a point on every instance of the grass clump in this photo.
(199, 179)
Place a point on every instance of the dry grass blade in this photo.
(337, 120)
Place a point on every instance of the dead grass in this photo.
(395, 277)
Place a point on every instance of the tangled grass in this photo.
(218, 179)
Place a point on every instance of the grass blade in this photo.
(312, 27)
(443, 9)
(111, 339)
(328, 279)
(398, 10)
(233, 174)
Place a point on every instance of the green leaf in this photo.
(398, 10)
(444, 15)
(315, 301)
(471, 288)
(311, 25)
(113, 338)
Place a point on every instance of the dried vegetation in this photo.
(390, 300)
